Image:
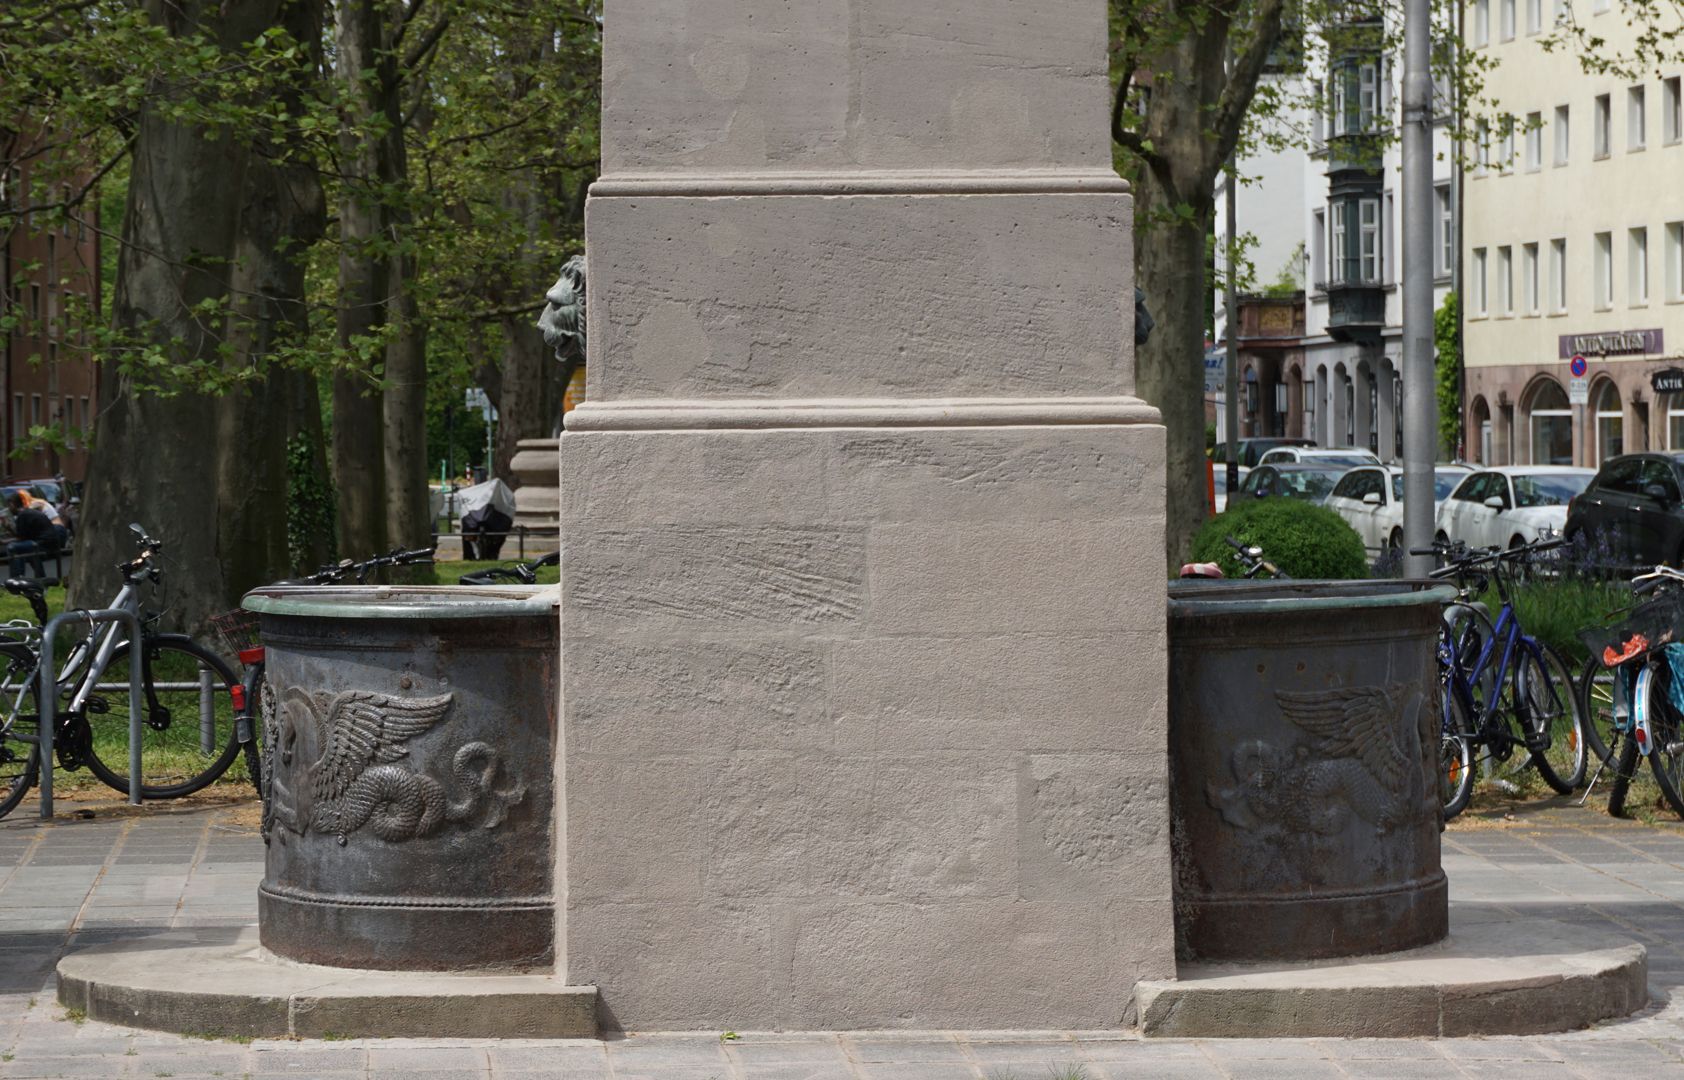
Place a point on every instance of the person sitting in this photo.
(35, 535)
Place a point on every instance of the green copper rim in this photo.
(405, 601)
(1202, 598)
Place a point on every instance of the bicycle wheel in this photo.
(1548, 710)
(1596, 708)
(1624, 770)
(20, 714)
(187, 734)
(1666, 742)
(1468, 630)
(1455, 756)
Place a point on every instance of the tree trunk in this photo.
(1173, 207)
(282, 216)
(408, 520)
(154, 456)
(359, 458)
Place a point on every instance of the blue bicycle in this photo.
(1508, 698)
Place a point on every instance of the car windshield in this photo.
(1312, 485)
(1548, 489)
(1443, 484)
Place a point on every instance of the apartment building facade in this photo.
(1573, 335)
(1339, 382)
(49, 269)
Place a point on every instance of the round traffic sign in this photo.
(1578, 366)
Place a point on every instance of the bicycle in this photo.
(1503, 690)
(181, 679)
(239, 632)
(519, 573)
(1629, 691)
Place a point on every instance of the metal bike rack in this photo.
(49, 698)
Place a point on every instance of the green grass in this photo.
(1554, 611)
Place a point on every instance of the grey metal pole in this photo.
(49, 696)
(1420, 406)
(1231, 379)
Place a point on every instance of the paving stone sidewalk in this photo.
(79, 881)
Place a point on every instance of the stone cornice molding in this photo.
(888, 182)
(657, 415)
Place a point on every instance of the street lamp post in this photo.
(1420, 431)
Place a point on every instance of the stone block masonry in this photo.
(863, 590)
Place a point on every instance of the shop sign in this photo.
(1614, 343)
(1216, 371)
(1667, 381)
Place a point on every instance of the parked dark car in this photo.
(1253, 449)
(1311, 483)
(1630, 512)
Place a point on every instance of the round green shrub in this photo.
(1304, 540)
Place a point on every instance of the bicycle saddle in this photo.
(27, 587)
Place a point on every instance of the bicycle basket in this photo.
(239, 632)
(1644, 628)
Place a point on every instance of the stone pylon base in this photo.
(219, 982)
(1525, 977)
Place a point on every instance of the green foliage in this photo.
(1447, 340)
(1554, 610)
(309, 506)
(1304, 540)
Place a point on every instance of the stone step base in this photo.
(220, 982)
(1492, 976)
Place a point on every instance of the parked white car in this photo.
(1371, 499)
(1510, 504)
(1315, 455)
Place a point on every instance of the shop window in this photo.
(1551, 423)
(1610, 423)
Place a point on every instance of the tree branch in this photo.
(1241, 86)
(421, 48)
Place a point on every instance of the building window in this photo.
(1637, 132)
(1534, 16)
(1337, 243)
(1603, 119)
(1562, 141)
(1505, 20)
(1597, 7)
(1505, 281)
(1552, 425)
(1349, 389)
(1481, 22)
(17, 420)
(1534, 141)
(1482, 146)
(1637, 266)
(1478, 282)
(1675, 421)
(1610, 423)
(1558, 275)
(1368, 76)
(1318, 250)
(1604, 271)
(1369, 253)
(34, 305)
(1446, 229)
(1675, 261)
(34, 411)
(1506, 161)
(1529, 277)
(1672, 111)
(87, 415)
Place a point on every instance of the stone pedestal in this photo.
(537, 500)
(863, 592)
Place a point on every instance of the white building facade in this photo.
(1574, 252)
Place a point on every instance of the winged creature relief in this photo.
(339, 763)
(1354, 762)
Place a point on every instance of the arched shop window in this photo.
(1610, 423)
(1551, 419)
(1675, 421)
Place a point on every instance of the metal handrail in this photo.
(49, 697)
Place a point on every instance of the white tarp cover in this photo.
(494, 493)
